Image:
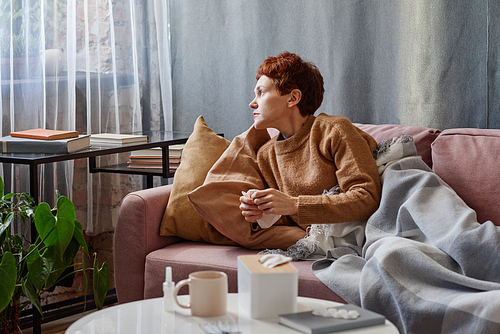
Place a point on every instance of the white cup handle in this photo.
(178, 286)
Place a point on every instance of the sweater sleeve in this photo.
(357, 175)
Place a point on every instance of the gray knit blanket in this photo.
(427, 264)
(335, 240)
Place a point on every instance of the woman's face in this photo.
(269, 107)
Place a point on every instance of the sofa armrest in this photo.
(137, 233)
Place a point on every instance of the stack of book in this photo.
(44, 141)
(151, 158)
(174, 155)
(114, 139)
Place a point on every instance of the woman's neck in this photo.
(294, 125)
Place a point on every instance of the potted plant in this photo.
(24, 38)
(28, 268)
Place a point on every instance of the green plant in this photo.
(29, 268)
(19, 46)
(25, 18)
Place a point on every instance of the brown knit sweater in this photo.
(326, 151)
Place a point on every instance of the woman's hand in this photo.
(249, 210)
(268, 201)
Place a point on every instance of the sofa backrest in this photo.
(468, 160)
(422, 137)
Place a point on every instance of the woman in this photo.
(310, 154)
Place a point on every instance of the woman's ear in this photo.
(295, 97)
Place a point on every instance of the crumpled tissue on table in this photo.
(267, 220)
(273, 260)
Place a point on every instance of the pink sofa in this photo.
(467, 159)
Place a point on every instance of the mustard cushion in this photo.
(202, 150)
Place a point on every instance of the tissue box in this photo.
(266, 292)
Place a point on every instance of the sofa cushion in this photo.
(468, 160)
(202, 150)
(422, 136)
(217, 200)
(187, 257)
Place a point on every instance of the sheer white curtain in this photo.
(86, 65)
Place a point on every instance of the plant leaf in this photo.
(39, 268)
(8, 275)
(7, 222)
(30, 293)
(9, 196)
(60, 265)
(56, 230)
(101, 282)
(78, 235)
(44, 221)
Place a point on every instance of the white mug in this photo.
(207, 293)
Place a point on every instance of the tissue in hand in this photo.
(267, 220)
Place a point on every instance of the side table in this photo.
(162, 139)
(147, 316)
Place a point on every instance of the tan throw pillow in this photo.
(217, 200)
(202, 150)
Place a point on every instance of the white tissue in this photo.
(273, 260)
(334, 313)
(267, 220)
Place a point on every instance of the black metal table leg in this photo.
(37, 318)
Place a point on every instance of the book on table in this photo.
(44, 134)
(173, 165)
(174, 151)
(103, 139)
(145, 164)
(150, 163)
(145, 160)
(147, 157)
(153, 152)
(11, 144)
(175, 156)
(134, 159)
(307, 322)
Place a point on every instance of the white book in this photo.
(117, 138)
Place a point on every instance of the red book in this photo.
(45, 134)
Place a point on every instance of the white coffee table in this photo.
(147, 317)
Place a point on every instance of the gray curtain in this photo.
(413, 62)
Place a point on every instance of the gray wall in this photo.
(414, 62)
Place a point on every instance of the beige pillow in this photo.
(217, 200)
(202, 150)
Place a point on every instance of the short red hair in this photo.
(289, 72)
